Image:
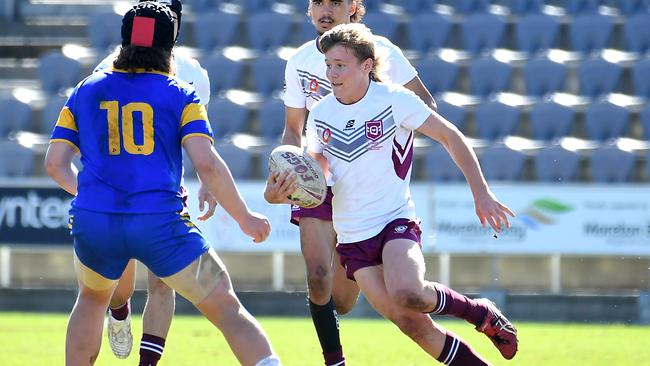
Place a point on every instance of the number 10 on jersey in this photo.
(112, 107)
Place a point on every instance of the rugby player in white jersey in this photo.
(374, 216)
(306, 83)
(159, 308)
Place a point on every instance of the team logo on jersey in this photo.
(374, 130)
(349, 125)
(326, 135)
(401, 229)
(313, 85)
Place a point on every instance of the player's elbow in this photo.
(206, 164)
(53, 167)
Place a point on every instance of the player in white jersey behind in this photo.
(159, 308)
(306, 83)
(374, 217)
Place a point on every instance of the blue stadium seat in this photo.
(268, 30)
(372, 5)
(453, 113)
(103, 30)
(271, 119)
(482, 31)
(268, 74)
(215, 30)
(645, 122)
(15, 160)
(226, 117)
(252, 6)
(521, 7)
(440, 167)
(224, 73)
(16, 116)
(636, 32)
(550, 120)
(611, 165)
(416, 6)
(597, 76)
(488, 75)
(437, 74)
(300, 6)
(590, 32)
(238, 160)
(50, 114)
(199, 6)
(58, 72)
(629, 7)
(428, 31)
(544, 76)
(604, 121)
(536, 32)
(502, 163)
(582, 6)
(556, 164)
(305, 32)
(641, 78)
(495, 120)
(382, 24)
(471, 6)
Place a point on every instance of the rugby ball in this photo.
(310, 179)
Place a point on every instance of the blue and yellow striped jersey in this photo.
(129, 129)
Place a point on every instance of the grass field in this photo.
(38, 339)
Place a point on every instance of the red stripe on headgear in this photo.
(142, 31)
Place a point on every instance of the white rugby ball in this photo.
(310, 179)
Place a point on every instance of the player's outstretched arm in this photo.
(488, 209)
(58, 164)
(216, 176)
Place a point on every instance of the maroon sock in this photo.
(151, 349)
(451, 302)
(121, 312)
(458, 353)
(334, 358)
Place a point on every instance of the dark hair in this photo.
(354, 18)
(131, 58)
(357, 38)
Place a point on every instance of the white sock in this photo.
(272, 360)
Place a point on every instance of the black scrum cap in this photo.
(148, 24)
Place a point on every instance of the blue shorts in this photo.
(164, 242)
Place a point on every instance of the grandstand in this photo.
(531, 82)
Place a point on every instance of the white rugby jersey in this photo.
(369, 148)
(306, 82)
(187, 69)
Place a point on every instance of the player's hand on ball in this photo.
(206, 196)
(279, 186)
(256, 225)
(490, 211)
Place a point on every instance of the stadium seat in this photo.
(372, 5)
(252, 6)
(15, 160)
(590, 32)
(103, 30)
(440, 167)
(495, 120)
(58, 72)
(636, 32)
(268, 74)
(641, 78)
(556, 164)
(50, 114)
(199, 6)
(215, 30)
(299, 6)
(544, 76)
(226, 117)
(583, 6)
(521, 7)
(270, 116)
(16, 116)
(597, 76)
(382, 24)
(416, 6)
(238, 160)
(268, 30)
(502, 163)
(536, 32)
(428, 31)
(645, 122)
(471, 6)
(550, 120)
(482, 31)
(437, 74)
(453, 113)
(611, 165)
(304, 32)
(488, 75)
(224, 73)
(629, 7)
(604, 121)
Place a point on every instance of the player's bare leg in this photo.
(84, 333)
(441, 344)
(207, 285)
(156, 319)
(125, 286)
(118, 330)
(345, 292)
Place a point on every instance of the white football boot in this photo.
(119, 335)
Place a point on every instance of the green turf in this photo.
(33, 339)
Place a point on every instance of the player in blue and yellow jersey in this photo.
(129, 124)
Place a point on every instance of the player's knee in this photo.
(344, 304)
(410, 326)
(408, 298)
(318, 279)
(157, 288)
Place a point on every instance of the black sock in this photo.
(327, 327)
